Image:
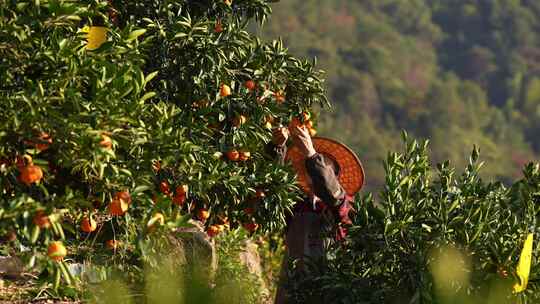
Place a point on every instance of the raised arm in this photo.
(325, 183)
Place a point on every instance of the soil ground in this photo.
(16, 292)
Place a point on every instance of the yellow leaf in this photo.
(524, 265)
(97, 35)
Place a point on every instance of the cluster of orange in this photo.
(215, 229)
(180, 194)
(202, 215)
(29, 174)
(225, 91)
(303, 121)
(57, 251)
(118, 206)
(120, 203)
(235, 155)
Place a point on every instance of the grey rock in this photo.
(251, 259)
(11, 266)
(192, 246)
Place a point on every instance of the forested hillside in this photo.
(458, 73)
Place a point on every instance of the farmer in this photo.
(330, 174)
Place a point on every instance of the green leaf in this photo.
(140, 189)
(135, 34)
(35, 234)
(150, 76)
(148, 96)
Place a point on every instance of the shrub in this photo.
(432, 237)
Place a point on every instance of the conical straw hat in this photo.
(351, 172)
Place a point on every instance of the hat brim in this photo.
(351, 172)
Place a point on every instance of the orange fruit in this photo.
(30, 174)
(45, 141)
(224, 90)
(106, 142)
(88, 224)
(10, 236)
(112, 244)
(251, 227)
(312, 132)
(223, 219)
(118, 207)
(239, 120)
(503, 273)
(260, 194)
(233, 155)
(305, 116)
(280, 98)
(218, 28)
(244, 155)
(41, 220)
(182, 190)
(56, 251)
(164, 187)
(213, 230)
(179, 200)
(250, 85)
(308, 124)
(123, 195)
(42, 142)
(295, 122)
(203, 215)
(269, 118)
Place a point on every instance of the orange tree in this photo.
(118, 117)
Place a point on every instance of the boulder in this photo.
(250, 257)
(191, 245)
(11, 267)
